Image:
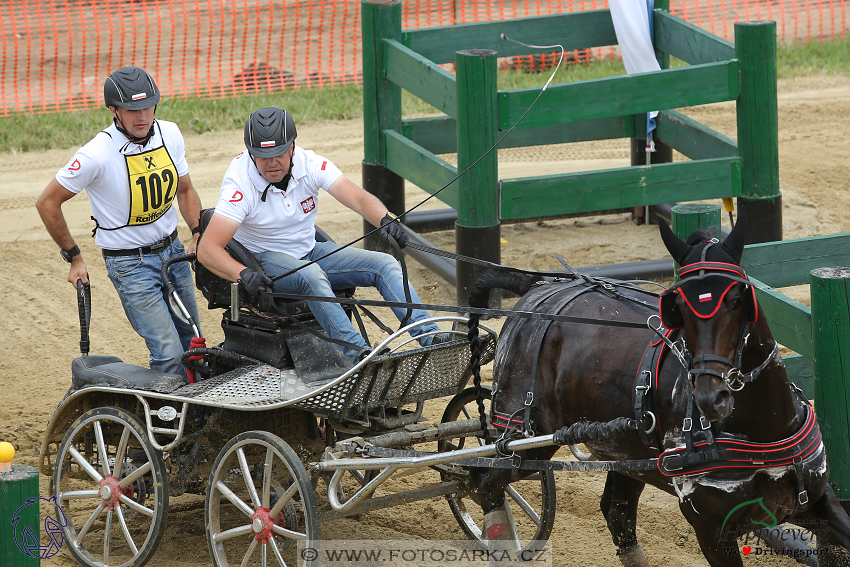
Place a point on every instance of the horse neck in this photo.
(765, 409)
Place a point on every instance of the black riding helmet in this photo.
(269, 132)
(131, 88)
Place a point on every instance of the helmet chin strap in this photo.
(135, 139)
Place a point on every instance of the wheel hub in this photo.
(110, 492)
(262, 522)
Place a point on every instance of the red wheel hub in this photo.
(262, 522)
(110, 492)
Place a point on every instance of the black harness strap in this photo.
(538, 342)
(646, 382)
(726, 453)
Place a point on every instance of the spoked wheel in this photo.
(260, 495)
(529, 502)
(113, 488)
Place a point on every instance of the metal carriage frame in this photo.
(167, 438)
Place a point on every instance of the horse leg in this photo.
(491, 490)
(832, 529)
(707, 529)
(619, 507)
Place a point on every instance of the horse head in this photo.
(715, 304)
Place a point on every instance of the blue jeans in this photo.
(138, 281)
(351, 267)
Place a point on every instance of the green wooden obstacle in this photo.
(830, 289)
(16, 487)
(688, 217)
(476, 114)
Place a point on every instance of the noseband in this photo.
(696, 365)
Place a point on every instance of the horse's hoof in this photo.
(633, 556)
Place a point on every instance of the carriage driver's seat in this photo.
(217, 289)
(266, 335)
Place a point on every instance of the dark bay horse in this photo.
(737, 446)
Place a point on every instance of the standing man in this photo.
(133, 171)
(268, 201)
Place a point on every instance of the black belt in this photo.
(155, 247)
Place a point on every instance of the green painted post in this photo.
(477, 230)
(381, 109)
(16, 487)
(830, 292)
(758, 129)
(689, 217)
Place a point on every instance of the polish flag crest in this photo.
(308, 205)
(140, 96)
(704, 297)
(267, 144)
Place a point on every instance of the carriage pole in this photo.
(830, 292)
(381, 110)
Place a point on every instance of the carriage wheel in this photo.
(112, 486)
(529, 502)
(260, 495)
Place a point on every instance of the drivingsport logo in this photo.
(237, 196)
(26, 537)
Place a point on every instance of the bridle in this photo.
(734, 378)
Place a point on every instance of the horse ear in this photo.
(738, 236)
(675, 245)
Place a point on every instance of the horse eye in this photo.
(736, 303)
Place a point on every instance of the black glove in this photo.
(390, 226)
(255, 282)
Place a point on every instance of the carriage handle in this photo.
(174, 302)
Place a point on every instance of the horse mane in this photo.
(512, 281)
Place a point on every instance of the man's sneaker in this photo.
(441, 338)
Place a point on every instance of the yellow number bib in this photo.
(153, 185)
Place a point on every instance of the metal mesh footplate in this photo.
(387, 381)
(400, 378)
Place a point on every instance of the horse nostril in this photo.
(723, 402)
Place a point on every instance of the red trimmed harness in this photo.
(735, 453)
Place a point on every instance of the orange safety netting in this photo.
(57, 53)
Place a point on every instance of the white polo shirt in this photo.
(101, 169)
(285, 222)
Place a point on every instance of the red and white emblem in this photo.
(139, 96)
(308, 205)
(704, 297)
(267, 144)
(75, 166)
(237, 196)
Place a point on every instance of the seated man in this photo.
(268, 201)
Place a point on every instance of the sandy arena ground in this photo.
(42, 321)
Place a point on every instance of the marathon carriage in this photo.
(125, 438)
(274, 398)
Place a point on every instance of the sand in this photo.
(42, 322)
